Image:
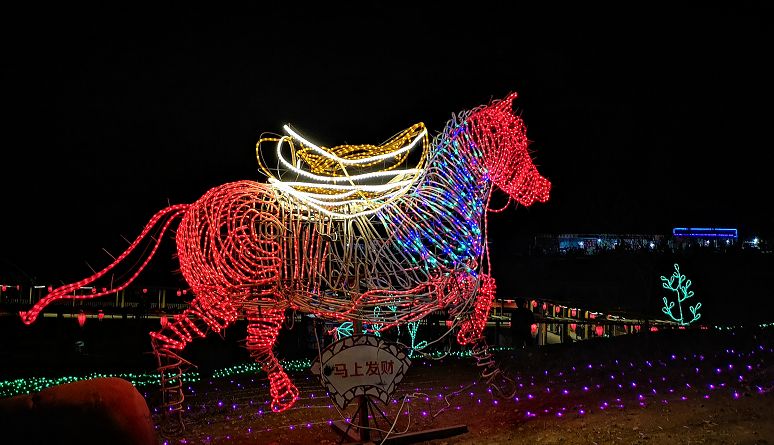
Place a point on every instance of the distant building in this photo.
(590, 244)
(683, 237)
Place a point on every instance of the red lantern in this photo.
(50, 288)
(654, 329)
(534, 303)
(572, 326)
(573, 312)
(557, 309)
(185, 291)
(533, 328)
(144, 290)
(81, 318)
(544, 306)
(93, 290)
(599, 330)
(104, 289)
(163, 320)
(179, 293)
(449, 323)
(100, 315)
(637, 328)
(4, 287)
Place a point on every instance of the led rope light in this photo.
(336, 248)
(344, 161)
(360, 177)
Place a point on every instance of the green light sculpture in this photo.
(678, 284)
(413, 326)
(375, 327)
(346, 329)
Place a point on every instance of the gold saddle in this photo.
(346, 180)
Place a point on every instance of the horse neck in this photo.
(441, 221)
(458, 166)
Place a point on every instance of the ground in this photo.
(678, 387)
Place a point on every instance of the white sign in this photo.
(361, 365)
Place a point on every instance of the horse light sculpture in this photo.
(338, 232)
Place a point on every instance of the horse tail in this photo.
(163, 218)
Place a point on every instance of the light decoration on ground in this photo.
(413, 326)
(343, 330)
(337, 232)
(678, 284)
(375, 328)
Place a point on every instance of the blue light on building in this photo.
(705, 232)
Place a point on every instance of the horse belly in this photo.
(228, 242)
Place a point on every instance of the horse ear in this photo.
(506, 104)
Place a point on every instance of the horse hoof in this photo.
(285, 401)
(172, 429)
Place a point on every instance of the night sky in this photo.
(643, 118)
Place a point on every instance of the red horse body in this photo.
(416, 243)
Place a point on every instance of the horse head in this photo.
(502, 138)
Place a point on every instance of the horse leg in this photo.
(263, 326)
(472, 329)
(170, 340)
(472, 333)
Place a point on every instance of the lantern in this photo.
(557, 309)
(163, 320)
(599, 330)
(654, 329)
(534, 303)
(4, 287)
(50, 288)
(533, 328)
(179, 292)
(572, 326)
(100, 315)
(592, 315)
(81, 318)
(144, 290)
(637, 328)
(544, 307)
(573, 312)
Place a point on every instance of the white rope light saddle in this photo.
(345, 181)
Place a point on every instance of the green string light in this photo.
(10, 388)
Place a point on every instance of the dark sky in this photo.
(644, 118)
